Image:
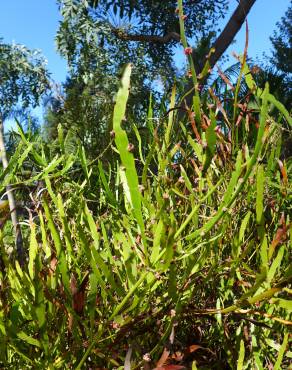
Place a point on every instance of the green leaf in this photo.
(186, 180)
(159, 232)
(62, 262)
(121, 305)
(26, 338)
(276, 264)
(243, 226)
(211, 142)
(260, 194)
(259, 92)
(227, 200)
(14, 164)
(105, 184)
(82, 157)
(280, 107)
(122, 144)
(66, 229)
(282, 350)
(33, 250)
(241, 356)
(196, 147)
(283, 303)
(95, 252)
(170, 119)
(194, 211)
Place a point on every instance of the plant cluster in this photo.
(178, 249)
(169, 248)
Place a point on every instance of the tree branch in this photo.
(221, 44)
(232, 27)
(171, 36)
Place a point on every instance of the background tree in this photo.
(282, 44)
(279, 69)
(23, 80)
(98, 37)
(106, 34)
(279, 73)
(83, 110)
(131, 27)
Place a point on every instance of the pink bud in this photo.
(188, 51)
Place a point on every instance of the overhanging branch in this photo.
(230, 30)
(221, 44)
(171, 36)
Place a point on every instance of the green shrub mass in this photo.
(170, 249)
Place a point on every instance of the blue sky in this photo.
(262, 21)
(34, 23)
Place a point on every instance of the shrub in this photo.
(175, 249)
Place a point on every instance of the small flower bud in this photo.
(199, 87)
(141, 188)
(172, 313)
(147, 357)
(157, 276)
(188, 50)
(131, 147)
(115, 325)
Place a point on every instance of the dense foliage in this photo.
(98, 37)
(23, 76)
(168, 248)
(282, 44)
(105, 34)
(182, 247)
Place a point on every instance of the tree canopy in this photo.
(23, 77)
(98, 37)
(23, 80)
(109, 33)
(282, 44)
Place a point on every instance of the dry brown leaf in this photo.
(170, 367)
(163, 358)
